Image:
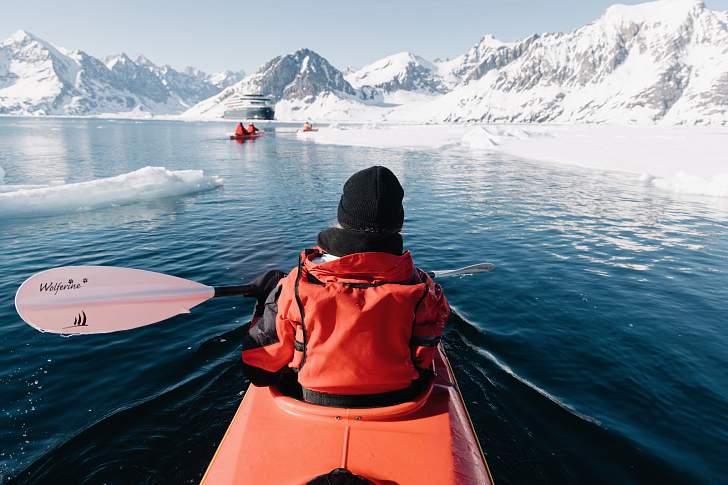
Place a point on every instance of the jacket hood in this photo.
(361, 268)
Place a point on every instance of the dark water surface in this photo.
(596, 352)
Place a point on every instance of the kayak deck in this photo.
(278, 439)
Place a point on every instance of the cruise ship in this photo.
(249, 107)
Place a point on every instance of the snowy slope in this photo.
(399, 72)
(659, 62)
(301, 77)
(221, 79)
(38, 78)
(488, 54)
(664, 61)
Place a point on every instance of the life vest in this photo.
(240, 131)
(354, 321)
(252, 129)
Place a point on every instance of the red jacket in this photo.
(357, 325)
(239, 130)
(252, 129)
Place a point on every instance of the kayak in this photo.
(309, 131)
(246, 137)
(278, 439)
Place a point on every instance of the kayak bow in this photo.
(278, 439)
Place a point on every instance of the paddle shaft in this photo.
(239, 290)
(102, 299)
(249, 290)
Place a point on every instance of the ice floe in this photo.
(147, 183)
(685, 160)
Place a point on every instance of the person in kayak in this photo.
(240, 130)
(252, 130)
(307, 126)
(355, 323)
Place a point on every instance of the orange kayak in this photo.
(245, 137)
(278, 439)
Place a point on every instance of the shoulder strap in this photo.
(302, 345)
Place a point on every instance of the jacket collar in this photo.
(370, 267)
(341, 242)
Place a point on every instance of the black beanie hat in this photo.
(372, 201)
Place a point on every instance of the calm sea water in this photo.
(596, 352)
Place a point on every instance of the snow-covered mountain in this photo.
(399, 72)
(302, 78)
(488, 54)
(38, 78)
(221, 79)
(663, 61)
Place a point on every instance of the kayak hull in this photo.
(278, 439)
(246, 137)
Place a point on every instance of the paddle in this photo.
(100, 299)
(472, 269)
(74, 300)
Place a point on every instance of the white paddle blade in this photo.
(101, 299)
(472, 269)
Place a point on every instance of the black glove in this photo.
(262, 286)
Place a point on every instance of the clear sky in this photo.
(218, 35)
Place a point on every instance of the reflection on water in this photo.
(596, 349)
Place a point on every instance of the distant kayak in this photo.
(246, 137)
(309, 130)
(274, 438)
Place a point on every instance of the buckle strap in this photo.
(300, 310)
(366, 400)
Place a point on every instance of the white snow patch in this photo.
(389, 136)
(683, 183)
(480, 139)
(646, 179)
(147, 183)
(686, 160)
(327, 106)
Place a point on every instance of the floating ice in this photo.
(480, 139)
(646, 179)
(683, 183)
(15, 188)
(147, 183)
(684, 160)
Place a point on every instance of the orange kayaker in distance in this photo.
(252, 130)
(240, 131)
(307, 126)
